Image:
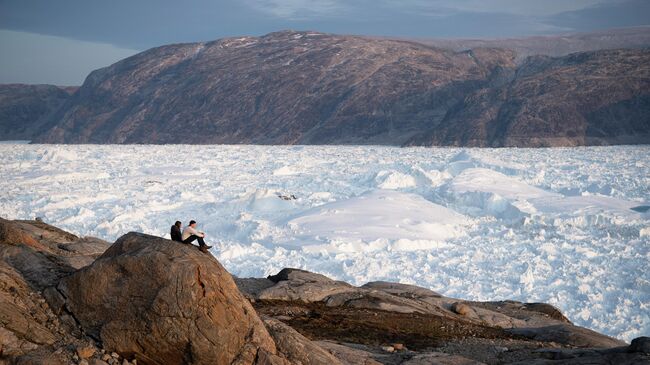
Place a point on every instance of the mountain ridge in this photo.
(305, 87)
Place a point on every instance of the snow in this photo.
(565, 226)
(408, 220)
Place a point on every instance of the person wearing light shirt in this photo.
(190, 234)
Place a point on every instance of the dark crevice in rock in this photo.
(198, 279)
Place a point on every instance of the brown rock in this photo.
(297, 348)
(11, 234)
(461, 308)
(85, 352)
(22, 318)
(266, 358)
(296, 284)
(163, 303)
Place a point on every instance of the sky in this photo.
(60, 42)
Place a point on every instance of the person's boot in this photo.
(204, 249)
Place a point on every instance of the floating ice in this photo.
(565, 226)
(380, 214)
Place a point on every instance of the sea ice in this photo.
(561, 225)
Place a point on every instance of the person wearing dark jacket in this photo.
(176, 232)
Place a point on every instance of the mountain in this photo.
(25, 108)
(283, 88)
(554, 45)
(314, 88)
(589, 98)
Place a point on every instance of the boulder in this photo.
(161, 302)
(252, 287)
(296, 284)
(401, 290)
(462, 309)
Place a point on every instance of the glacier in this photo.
(566, 226)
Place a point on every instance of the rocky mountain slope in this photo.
(148, 300)
(586, 98)
(25, 108)
(312, 88)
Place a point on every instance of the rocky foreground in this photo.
(148, 300)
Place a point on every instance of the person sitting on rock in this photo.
(176, 232)
(190, 234)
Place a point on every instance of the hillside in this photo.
(313, 88)
(590, 98)
(25, 108)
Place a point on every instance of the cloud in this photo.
(41, 59)
(515, 7)
(292, 9)
(296, 9)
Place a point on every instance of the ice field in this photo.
(567, 226)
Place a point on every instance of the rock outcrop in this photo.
(71, 300)
(537, 321)
(313, 88)
(382, 322)
(160, 302)
(34, 256)
(296, 347)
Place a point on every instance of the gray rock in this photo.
(568, 335)
(295, 284)
(640, 344)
